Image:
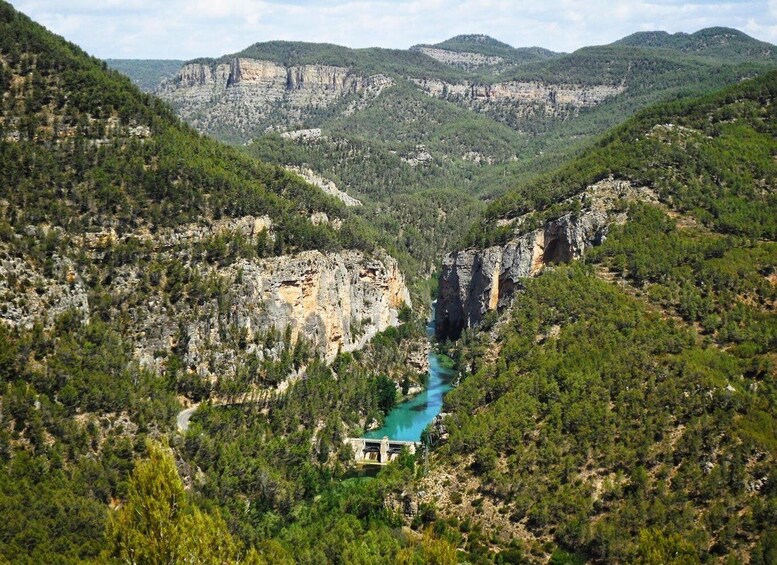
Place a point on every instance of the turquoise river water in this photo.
(408, 419)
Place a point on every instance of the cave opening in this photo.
(557, 250)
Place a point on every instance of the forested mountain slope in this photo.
(622, 408)
(481, 52)
(142, 267)
(470, 116)
(146, 73)
(710, 42)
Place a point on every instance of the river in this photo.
(408, 419)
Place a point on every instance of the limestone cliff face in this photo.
(474, 282)
(224, 315)
(522, 97)
(334, 301)
(250, 95)
(29, 293)
(462, 60)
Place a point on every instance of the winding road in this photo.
(182, 420)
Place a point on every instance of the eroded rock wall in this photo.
(246, 94)
(214, 315)
(521, 97)
(475, 281)
(461, 59)
(335, 301)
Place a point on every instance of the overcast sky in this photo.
(185, 29)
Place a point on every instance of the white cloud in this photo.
(186, 29)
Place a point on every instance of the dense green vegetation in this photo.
(85, 154)
(710, 42)
(624, 412)
(78, 409)
(145, 73)
(710, 157)
(642, 429)
(624, 409)
(717, 281)
(479, 149)
(81, 145)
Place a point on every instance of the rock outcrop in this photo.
(334, 301)
(461, 59)
(521, 97)
(248, 96)
(215, 316)
(326, 185)
(29, 293)
(474, 282)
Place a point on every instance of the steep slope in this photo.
(144, 266)
(96, 167)
(711, 158)
(622, 408)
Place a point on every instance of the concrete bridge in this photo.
(379, 451)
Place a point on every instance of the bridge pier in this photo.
(378, 451)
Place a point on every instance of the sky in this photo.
(186, 29)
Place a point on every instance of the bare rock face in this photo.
(246, 94)
(476, 281)
(215, 316)
(326, 185)
(335, 301)
(29, 293)
(462, 60)
(523, 98)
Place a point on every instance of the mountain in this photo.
(189, 336)
(617, 329)
(403, 132)
(471, 52)
(710, 42)
(146, 73)
(145, 267)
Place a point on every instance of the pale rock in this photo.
(461, 59)
(476, 281)
(28, 294)
(250, 95)
(522, 98)
(326, 185)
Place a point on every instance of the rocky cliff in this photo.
(461, 59)
(474, 281)
(522, 97)
(249, 95)
(334, 301)
(215, 316)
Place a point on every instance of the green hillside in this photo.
(479, 147)
(83, 149)
(485, 45)
(623, 409)
(710, 157)
(107, 202)
(711, 42)
(146, 73)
